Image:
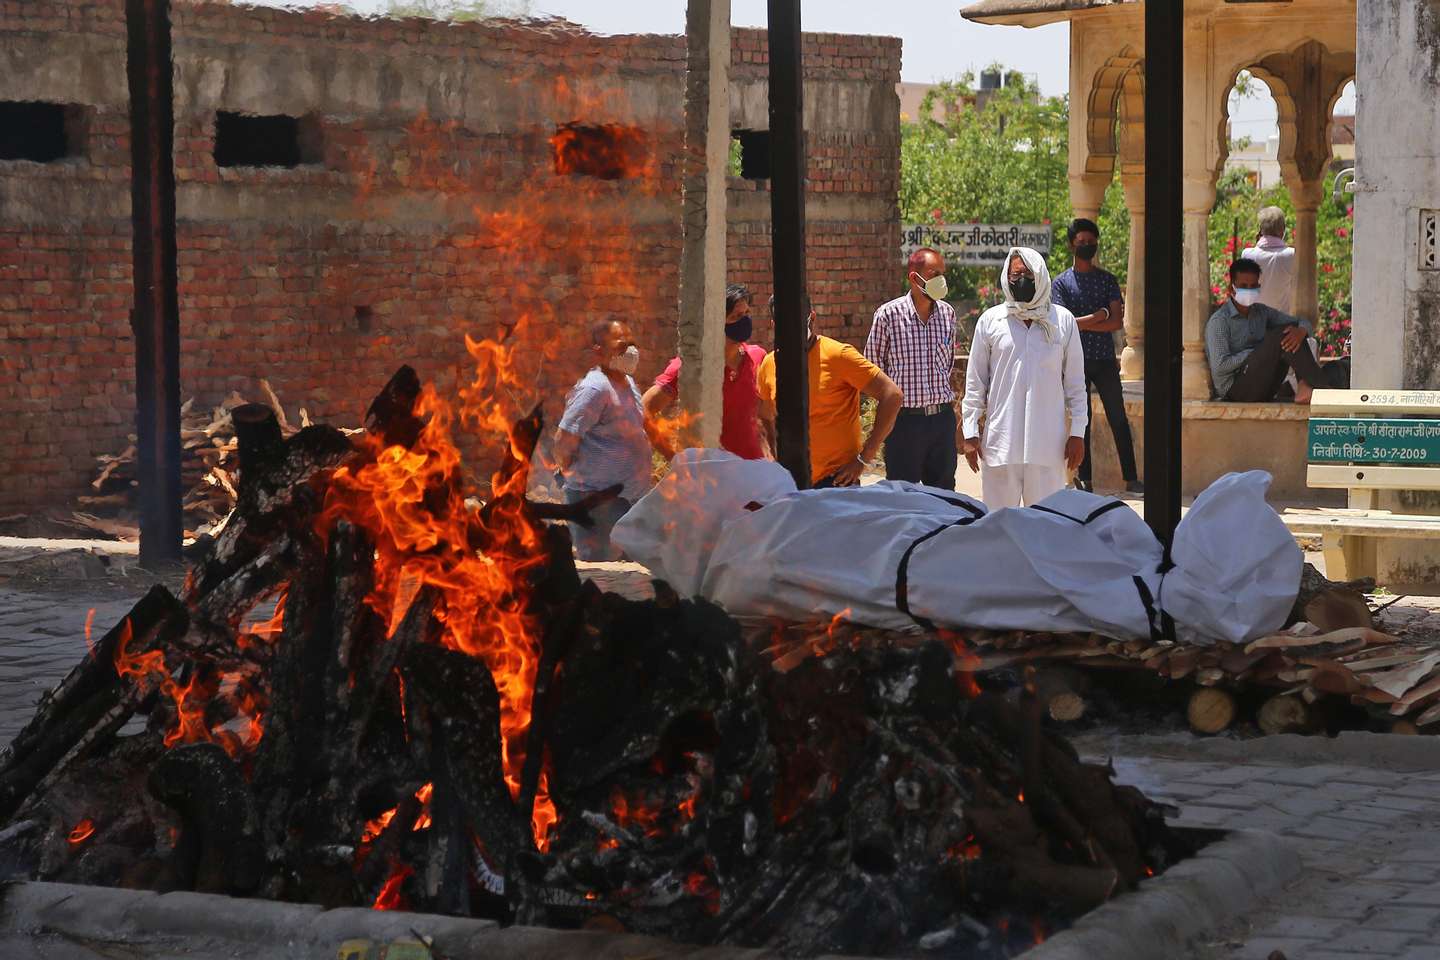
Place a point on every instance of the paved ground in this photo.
(1366, 823)
(1365, 813)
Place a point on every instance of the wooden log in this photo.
(1283, 714)
(220, 849)
(85, 699)
(1061, 692)
(1210, 710)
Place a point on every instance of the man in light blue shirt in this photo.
(1250, 346)
(602, 440)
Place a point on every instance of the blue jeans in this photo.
(594, 543)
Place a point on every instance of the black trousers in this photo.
(921, 449)
(1104, 375)
(1265, 369)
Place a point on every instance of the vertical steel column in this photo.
(787, 231)
(1164, 108)
(156, 317)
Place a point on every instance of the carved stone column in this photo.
(1306, 195)
(1198, 199)
(1132, 358)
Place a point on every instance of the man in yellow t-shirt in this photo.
(839, 374)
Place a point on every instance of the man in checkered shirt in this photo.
(912, 340)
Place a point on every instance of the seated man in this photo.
(839, 374)
(1250, 346)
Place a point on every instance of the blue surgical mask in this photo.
(740, 330)
(1247, 296)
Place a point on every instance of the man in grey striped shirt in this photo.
(912, 340)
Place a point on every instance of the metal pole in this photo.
(156, 317)
(1164, 107)
(787, 232)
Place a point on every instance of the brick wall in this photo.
(434, 213)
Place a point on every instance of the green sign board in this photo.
(1345, 440)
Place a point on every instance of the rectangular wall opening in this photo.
(247, 140)
(607, 151)
(754, 150)
(40, 132)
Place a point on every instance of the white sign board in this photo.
(974, 244)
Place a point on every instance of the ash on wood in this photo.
(439, 716)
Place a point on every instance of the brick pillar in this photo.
(701, 325)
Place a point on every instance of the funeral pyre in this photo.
(439, 716)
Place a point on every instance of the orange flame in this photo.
(82, 832)
(89, 619)
(266, 630)
(635, 814)
(148, 670)
(411, 502)
(389, 897)
(966, 663)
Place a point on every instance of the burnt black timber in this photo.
(156, 317)
(787, 235)
(1164, 106)
(220, 849)
(258, 442)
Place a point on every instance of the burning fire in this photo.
(966, 663)
(89, 621)
(82, 832)
(389, 897)
(148, 670)
(411, 503)
(635, 814)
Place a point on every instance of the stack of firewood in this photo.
(208, 467)
(1332, 652)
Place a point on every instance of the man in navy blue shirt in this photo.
(1093, 295)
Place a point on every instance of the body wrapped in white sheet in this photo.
(899, 554)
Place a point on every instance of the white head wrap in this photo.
(1037, 310)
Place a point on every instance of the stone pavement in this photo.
(1365, 822)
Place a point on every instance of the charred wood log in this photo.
(96, 672)
(391, 415)
(91, 703)
(220, 848)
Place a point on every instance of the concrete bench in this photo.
(1370, 442)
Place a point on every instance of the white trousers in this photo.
(1016, 483)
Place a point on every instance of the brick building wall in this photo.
(428, 208)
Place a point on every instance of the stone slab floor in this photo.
(1364, 810)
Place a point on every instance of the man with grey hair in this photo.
(1276, 259)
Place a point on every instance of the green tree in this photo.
(1003, 163)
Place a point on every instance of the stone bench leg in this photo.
(1348, 556)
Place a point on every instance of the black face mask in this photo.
(1086, 251)
(740, 330)
(1023, 288)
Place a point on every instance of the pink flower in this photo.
(1350, 212)
(1342, 232)
(1328, 267)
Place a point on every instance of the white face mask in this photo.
(935, 288)
(627, 362)
(1247, 297)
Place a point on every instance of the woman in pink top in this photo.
(740, 424)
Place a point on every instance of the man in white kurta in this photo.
(1024, 412)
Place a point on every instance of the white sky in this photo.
(939, 44)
